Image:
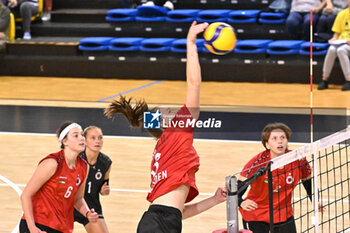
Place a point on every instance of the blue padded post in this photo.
(272, 17)
(317, 48)
(212, 16)
(243, 16)
(94, 43)
(151, 13)
(284, 47)
(251, 46)
(156, 44)
(182, 16)
(121, 15)
(125, 44)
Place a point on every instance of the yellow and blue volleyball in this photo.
(219, 38)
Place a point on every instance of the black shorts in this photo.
(78, 217)
(160, 219)
(23, 228)
(285, 227)
(264, 227)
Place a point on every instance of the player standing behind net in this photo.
(175, 160)
(57, 186)
(255, 208)
(97, 181)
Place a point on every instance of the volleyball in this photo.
(219, 38)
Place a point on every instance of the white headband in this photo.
(67, 129)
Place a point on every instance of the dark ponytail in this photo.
(133, 112)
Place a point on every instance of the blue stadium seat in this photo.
(272, 17)
(125, 44)
(317, 48)
(243, 16)
(182, 16)
(156, 44)
(283, 47)
(121, 15)
(95, 43)
(179, 45)
(151, 13)
(212, 16)
(251, 46)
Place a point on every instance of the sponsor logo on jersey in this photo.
(61, 182)
(98, 175)
(78, 181)
(289, 179)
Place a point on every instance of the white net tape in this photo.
(311, 148)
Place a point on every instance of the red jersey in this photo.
(284, 181)
(54, 202)
(175, 161)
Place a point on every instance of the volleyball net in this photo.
(326, 207)
(311, 183)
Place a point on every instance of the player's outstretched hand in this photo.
(105, 189)
(92, 215)
(220, 195)
(249, 205)
(194, 30)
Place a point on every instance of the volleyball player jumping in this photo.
(175, 161)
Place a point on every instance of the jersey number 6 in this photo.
(68, 192)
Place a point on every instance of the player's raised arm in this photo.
(193, 70)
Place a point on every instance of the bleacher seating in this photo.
(179, 45)
(126, 31)
(156, 44)
(156, 13)
(243, 16)
(121, 15)
(252, 46)
(284, 47)
(223, 4)
(95, 43)
(125, 44)
(317, 48)
(268, 47)
(151, 14)
(272, 18)
(182, 16)
(211, 16)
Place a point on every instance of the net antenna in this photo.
(315, 219)
(232, 190)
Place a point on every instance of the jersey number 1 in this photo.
(89, 187)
